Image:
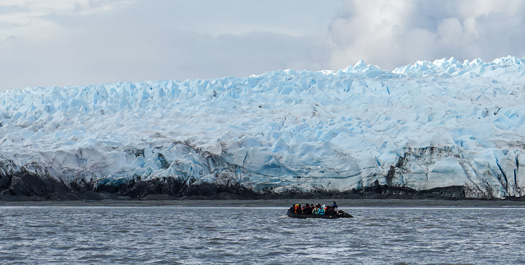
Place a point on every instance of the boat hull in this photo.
(304, 216)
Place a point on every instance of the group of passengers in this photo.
(316, 209)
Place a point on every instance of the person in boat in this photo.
(322, 210)
(298, 209)
(334, 205)
(315, 210)
(307, 209)
(330, 210)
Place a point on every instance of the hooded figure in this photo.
(322, 209)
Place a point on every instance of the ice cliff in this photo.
(425, 126)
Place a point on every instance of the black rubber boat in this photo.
(340, 214)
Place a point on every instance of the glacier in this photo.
(421, 127)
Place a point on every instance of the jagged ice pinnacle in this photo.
(422, 126)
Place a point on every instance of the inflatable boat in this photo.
(340, 214)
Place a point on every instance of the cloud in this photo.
(81, 42)
(31, 39)
(396, 33)
(77, 7)
(33, 20)
(70, 42)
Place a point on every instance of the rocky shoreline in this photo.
(25, 186)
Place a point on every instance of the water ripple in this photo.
(178, 235)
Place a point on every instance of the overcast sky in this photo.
(75, 42)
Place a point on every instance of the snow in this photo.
(453, 123)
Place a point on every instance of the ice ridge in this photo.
(421, 126)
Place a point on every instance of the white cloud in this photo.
(33, 19)
(68, 42)
(78, 7)
(395, 33)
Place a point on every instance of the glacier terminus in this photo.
(443, 128)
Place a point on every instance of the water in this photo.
(259, 235)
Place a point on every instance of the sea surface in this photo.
(260, 233)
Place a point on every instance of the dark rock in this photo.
(24, 185)
(27, 184)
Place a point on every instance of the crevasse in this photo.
(421, 126)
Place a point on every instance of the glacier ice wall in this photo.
(422, 126)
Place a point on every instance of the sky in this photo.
(77, 42)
